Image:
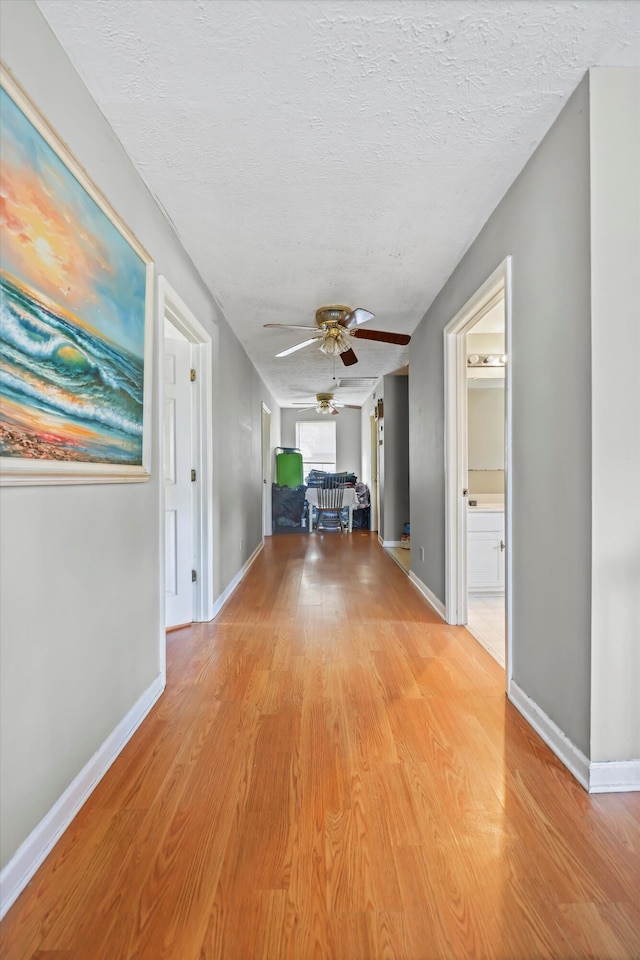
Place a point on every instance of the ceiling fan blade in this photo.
(348, 357)
(334, 412)
(357, 316)
(348, 406)
(290, 326)
(298, 346)
(382, 335)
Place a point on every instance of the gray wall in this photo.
(348, 435)
(394, 468)
(543, 223)
(80, 565)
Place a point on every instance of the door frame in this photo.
(171, 306)
(456, 471)
(373, 493)
(266, 481)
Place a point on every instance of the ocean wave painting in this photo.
(73, 310)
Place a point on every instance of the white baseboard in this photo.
(391, 543)
(226, 593)
(22, 866)
(566, 751)
(430, 597)
(614, 776)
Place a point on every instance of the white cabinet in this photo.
(485, 551)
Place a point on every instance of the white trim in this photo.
(455, 455)
(391, 543)
(566, 751)
(22, 866)
(226, 593)
(508, 472)
(266, 487)
(380, 540)
(614, 776)
(430, 597)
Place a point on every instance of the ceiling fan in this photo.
(326, 404)
(334, 325)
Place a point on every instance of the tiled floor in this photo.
(485, 620)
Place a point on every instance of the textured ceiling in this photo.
(324, 151)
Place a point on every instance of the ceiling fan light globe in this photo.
(333, 346)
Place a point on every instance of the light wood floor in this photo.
(335, 773)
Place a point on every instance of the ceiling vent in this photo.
(358, 383)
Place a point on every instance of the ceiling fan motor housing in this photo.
(330, 320)
(335, 313)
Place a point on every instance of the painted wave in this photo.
(65, 374)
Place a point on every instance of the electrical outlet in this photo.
(422, 553)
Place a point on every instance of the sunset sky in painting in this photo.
(58, 241)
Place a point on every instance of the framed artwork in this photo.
(76, 292)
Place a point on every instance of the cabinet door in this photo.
(485, 558)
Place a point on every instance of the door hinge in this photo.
(193, 476)
(194, 576)
(192, 375)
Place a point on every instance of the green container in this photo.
(289, 467)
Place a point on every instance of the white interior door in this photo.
(178, 485)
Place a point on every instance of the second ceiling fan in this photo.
(326, 404)
(334, 326)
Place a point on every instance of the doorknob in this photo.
(502, 545)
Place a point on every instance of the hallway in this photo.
(333, 772)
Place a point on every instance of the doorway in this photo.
(179, 506)
(373, 493)
(186, 444)
(484, 562)
(486, 357)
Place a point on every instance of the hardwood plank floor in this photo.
(335, 773)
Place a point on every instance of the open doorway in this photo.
(375, 459)
(186, 442)
(486, 358)
(478, 493)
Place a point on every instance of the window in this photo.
(317, 441)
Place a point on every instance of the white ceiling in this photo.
(333, 151)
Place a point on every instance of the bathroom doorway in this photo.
(486, 359)
(478, 493)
